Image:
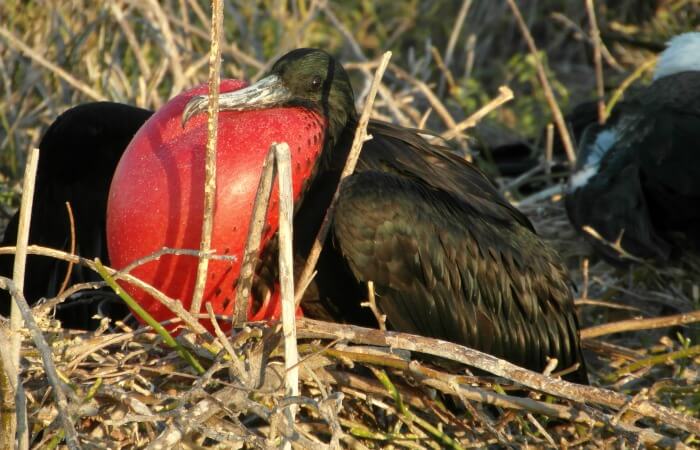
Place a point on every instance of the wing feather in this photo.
(443, 270)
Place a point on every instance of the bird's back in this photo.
(450, 257)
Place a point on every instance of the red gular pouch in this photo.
(156, 198)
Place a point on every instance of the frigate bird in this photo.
(449, 256)
(637, 182)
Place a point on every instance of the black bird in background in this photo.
(77, 158)
(638, 175)
(449, 256)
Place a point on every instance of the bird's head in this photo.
(305, 77)
(682, 54)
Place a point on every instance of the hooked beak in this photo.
(266, 93)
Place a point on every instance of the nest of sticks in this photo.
(372, 388)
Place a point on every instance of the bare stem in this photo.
(371, 303)
(638, 72)
(542, 75)
(252, 245)
(640, 324)
(16, 323)
(286, 267)
(71, 220)
(47, 359)
(210, 164)
(309, 328)
(597, 60)
(505, 94)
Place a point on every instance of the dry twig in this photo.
(640, 324)
(252, 245)
(371, 303)
(210, 162)
(69, 270)
(597, 60)
(548, 93)
(504, 96)
(49, 366)
(16, 322)
(286, 270)
(496, 366)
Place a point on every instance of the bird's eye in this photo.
(316, 82)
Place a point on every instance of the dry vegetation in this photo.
(363, 388)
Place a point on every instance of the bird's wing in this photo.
(442, 269)
(405, 153)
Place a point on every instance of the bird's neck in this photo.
(337, 145)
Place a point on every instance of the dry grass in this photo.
(128, 390)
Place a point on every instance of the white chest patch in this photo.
(581, 177)
(603, 142)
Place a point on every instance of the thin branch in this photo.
(663, 358)
(169, 46)
(616, 246)
(446, 73)
(173, 305)
(640, 324)
(210, 164)
(131, 39)
(283, 162)
(435, 102)
(252, 245)
(452, 43)
(540, 195)
(71, 220)
(579, 33)
(578, 393)
(638, 72)
(176, 252)
(606, 304)
(226, 344)
(371, 303)
(353, 156)
(541, 429)
(505, 94)
(548, 93)
(25, 218)
(49, 366)
(597, 60)
(549, 148)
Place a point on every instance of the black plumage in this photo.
(638, 177)
(77, 158)
(449, 256)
